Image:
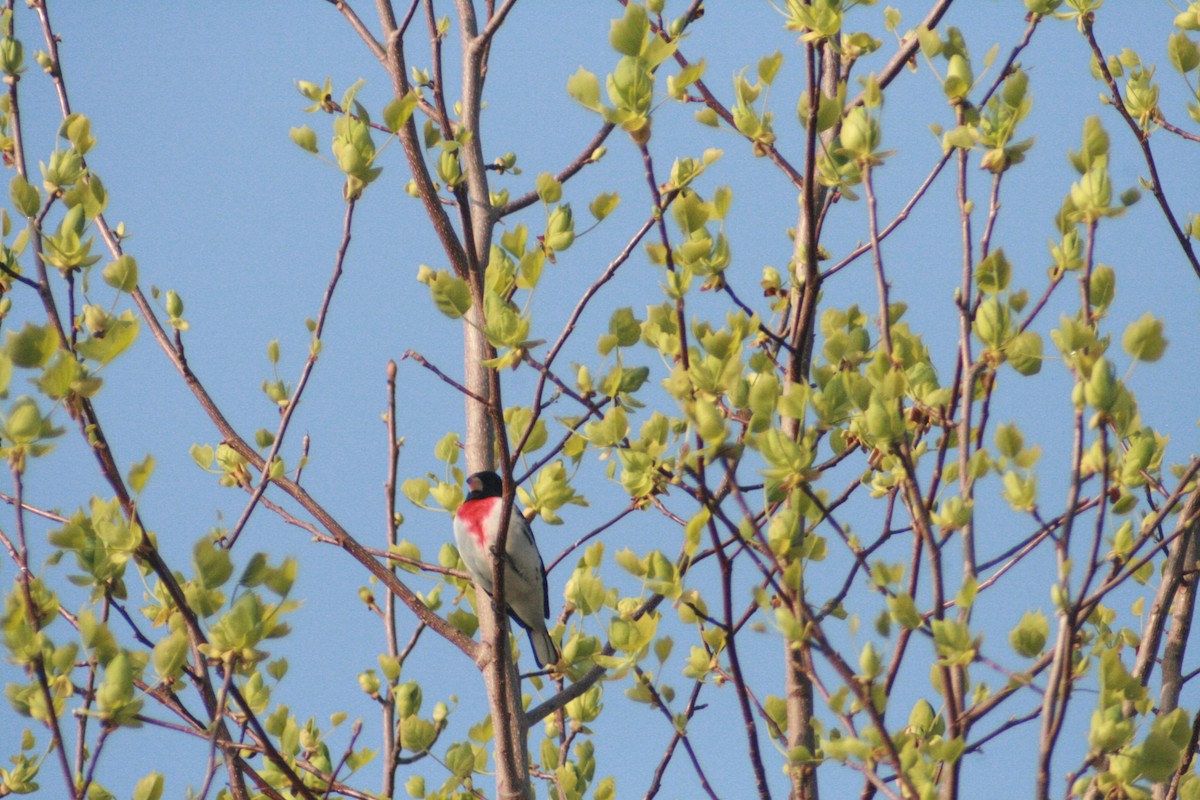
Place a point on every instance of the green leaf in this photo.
(883, 420)
(417, 734)
(584, 88)
(1143, 340)
(953, 641)
(450, 294)
(869, 663)
(1009, 440)
(768, 67)
(32, 346)
(609, 431)
(658, 50)
(505, 326)
(585, 591)
(707, 116)
(722, 199)
(305, 137)
(690, 212)
(958, 78)
(1094, 150)
(203, 455)
(860, 133)
(1183, 52)
(548, 188)
(407, 697)
(710, 424)
(1157, 757)
(1020, 491)
(312, 91)
(170, 654)
(961, 136)
(631, 89)
(212, 563)
(993, 273)
(59, 376)
(904, 611)
(628, 34)
(447, 448)
(629, 561)
(12, 56)
(1024, 352)
(992, 322)
(122, 274)
(397, 112)
(529, 270)
(1103, 286)
(280, 579)
(415, 786)
(1042, 7)
(140, 473)
(604, 204)
(677, 84)
(117, 338)
(6, 369)
(514, 240)
(930, 42)
(560, 228)
(416, 490)
(1028, 639)
(625, 327)
(77, 129)
(24, 196)
(461, 759)
(449, 169)
(115, 697)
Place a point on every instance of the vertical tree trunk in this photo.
(509, 729)
(1177, 596)
(500, 675)
(823, 67)
(467, 250)
(481, 436)
(1180, 560)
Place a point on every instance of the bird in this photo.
(476, 526)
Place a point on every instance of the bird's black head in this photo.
(484, 484)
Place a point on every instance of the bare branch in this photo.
(564, 175)
(361, 29)
(314, 351)
(908, 48)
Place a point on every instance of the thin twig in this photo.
(564, 175)
(310, 362)
(680, 734)
(420, 359)
(1191, 137)
(40, 512)
(908, 48)
(1143, 140)
(361, 29)
(581, 541)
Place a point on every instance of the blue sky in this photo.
(192, 109)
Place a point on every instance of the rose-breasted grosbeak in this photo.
(476, 526)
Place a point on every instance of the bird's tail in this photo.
(545, 651)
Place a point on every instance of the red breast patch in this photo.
(473, 514)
